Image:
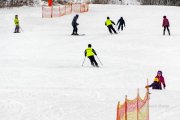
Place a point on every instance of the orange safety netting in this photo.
(136, 109)
(57, 11)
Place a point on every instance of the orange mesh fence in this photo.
(136, 109)
(46, 12)
(57, 11)
(131, 109)
(62, 10)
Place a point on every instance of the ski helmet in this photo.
(159, 72)
(89, 45)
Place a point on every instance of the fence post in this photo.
(59, 12)
(148, 99)
(80, 7)
(71, 8)
(126, 107)
(137, 104)
(51, 11)
(118, 112)
(42, 12)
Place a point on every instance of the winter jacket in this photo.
(74, 21)
(121, 21)
(161, 81)
(109, 22)
(165, 22)
(16, 21)
(90, 52)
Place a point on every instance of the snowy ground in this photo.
(41, 77)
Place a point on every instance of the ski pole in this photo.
(99, 60)
(21, 28)
(83, 60)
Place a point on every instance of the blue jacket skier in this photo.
(75, 24)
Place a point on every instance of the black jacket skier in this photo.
(121, 23)
(75, 24)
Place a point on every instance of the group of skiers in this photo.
(109, 23)
(90, 52)
(121, 24)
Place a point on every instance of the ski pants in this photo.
(110, 27)
(16, 29)
(120, 26)
(93, 61)
(75, 29)
(166, 27)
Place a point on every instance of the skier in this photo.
(165, 25)
(161, 79)
(75, 24)
(121, 23)
(90, 52)
(16, 22)
(109, 23)
(158, 81)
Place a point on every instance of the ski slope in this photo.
(41, 77)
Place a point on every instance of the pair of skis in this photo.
(79, 35)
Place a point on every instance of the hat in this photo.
(89, 45)
(159, 72)
(108, 18)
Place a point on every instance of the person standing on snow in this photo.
(16, 22)
(90, 52)
(109, 23)
(75, 24)
(121, 23)
(165, 25)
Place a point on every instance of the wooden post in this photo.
(137, 104)
(148, 100)
(126, 107)
(118, 112)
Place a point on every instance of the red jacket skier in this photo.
(166, 25)
(161, 79)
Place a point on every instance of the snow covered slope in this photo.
(41, 77)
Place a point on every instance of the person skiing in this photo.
(75, 24)
(166, 25)
(158, 81)
(16, 22)
(121, 23)
(90, 52)
(109, 23)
